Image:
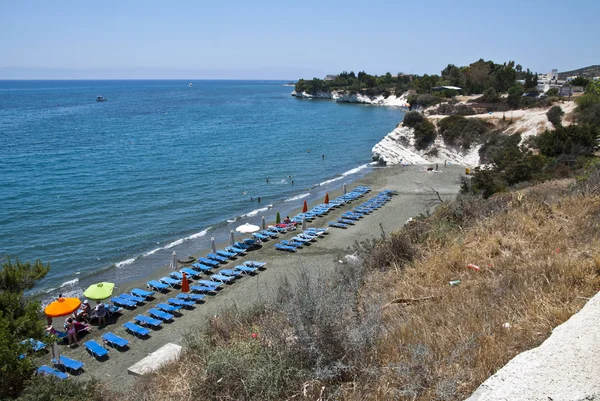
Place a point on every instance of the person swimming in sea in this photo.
(258, 199)
(323, 157)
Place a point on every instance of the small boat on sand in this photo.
(187, 261)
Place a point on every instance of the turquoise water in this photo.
(116, 186)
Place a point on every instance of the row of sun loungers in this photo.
(350, 218)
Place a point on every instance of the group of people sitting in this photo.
(77, 322)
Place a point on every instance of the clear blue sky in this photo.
(287, 39)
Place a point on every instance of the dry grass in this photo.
(538, 259)
(330, 339)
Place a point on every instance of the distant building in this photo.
(446, 87)
(330, 77)
(552, 75)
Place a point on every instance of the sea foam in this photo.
(293, 198)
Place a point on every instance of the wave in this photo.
(293, 198)
(189, 237)
(69, 283)
(232, 220)
(257, 211)
(125, 262)
(347, 173)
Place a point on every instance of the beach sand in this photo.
(412, 184)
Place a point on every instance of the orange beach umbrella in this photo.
(305, 208)
(327, 197)
(62, 307)
(185, 286)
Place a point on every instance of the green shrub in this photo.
(463, 132)
(48, 388)
(555, 115)
(425, 134)
(574, 140)
(412, 119)
(552, 92)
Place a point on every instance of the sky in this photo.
(287, 39)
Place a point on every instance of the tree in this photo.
(425, 134)
(552, 92)
(514, 96)
(412, 118)
(555, 115)
(580, 81)
(574, 140)
(19, 319)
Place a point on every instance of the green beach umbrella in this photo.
(99, 291)
(278, 218)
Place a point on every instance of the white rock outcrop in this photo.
(344, 97)
(397, 147)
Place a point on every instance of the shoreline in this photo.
(199, 241)
(319, 259)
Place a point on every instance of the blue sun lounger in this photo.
(47, 370)
(226, 254)
(157, 285)
(219, 258)
(138, 331)
(181, 302)
(123, 302)
(346, 221)
(95, 349)
(308, 236)
(203, 289)
(300, 239)
(208, 283)
(261, 237)
(270, 233)
(34, 345)
(222, 279)
(133, 298)
(206, 261)
(295, 244)
(170, 281)
(254, 263)
(235, 249)
(114, 340)
(169, 308)
(202, 268)
(141, 293)
(242, 246)
(161, 315)
(190, 272)
(147, 321)
(69, 364)
(337, 225)
(246, 269)
(280, 247)
(230, 272)
(179, 276)
(191, 297)
(112, 309)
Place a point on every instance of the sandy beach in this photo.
(413, 185)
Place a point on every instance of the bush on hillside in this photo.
(555, 115)
(572, 141)
(49, 388)
(463, 132)
(495, 143)
(19, 319)
(590, 115)
(412, 118)
(552, 92)
(489, 96)
(425, 134)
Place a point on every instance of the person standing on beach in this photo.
(100, 312)
(436, 167)
(445, 161)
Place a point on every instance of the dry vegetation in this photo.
(341, 338)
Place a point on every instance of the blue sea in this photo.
(108, 190)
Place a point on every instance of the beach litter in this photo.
(473, 267)
(454, 283)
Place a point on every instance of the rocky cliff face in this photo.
(345, 97)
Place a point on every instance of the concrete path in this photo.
(565, 367)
